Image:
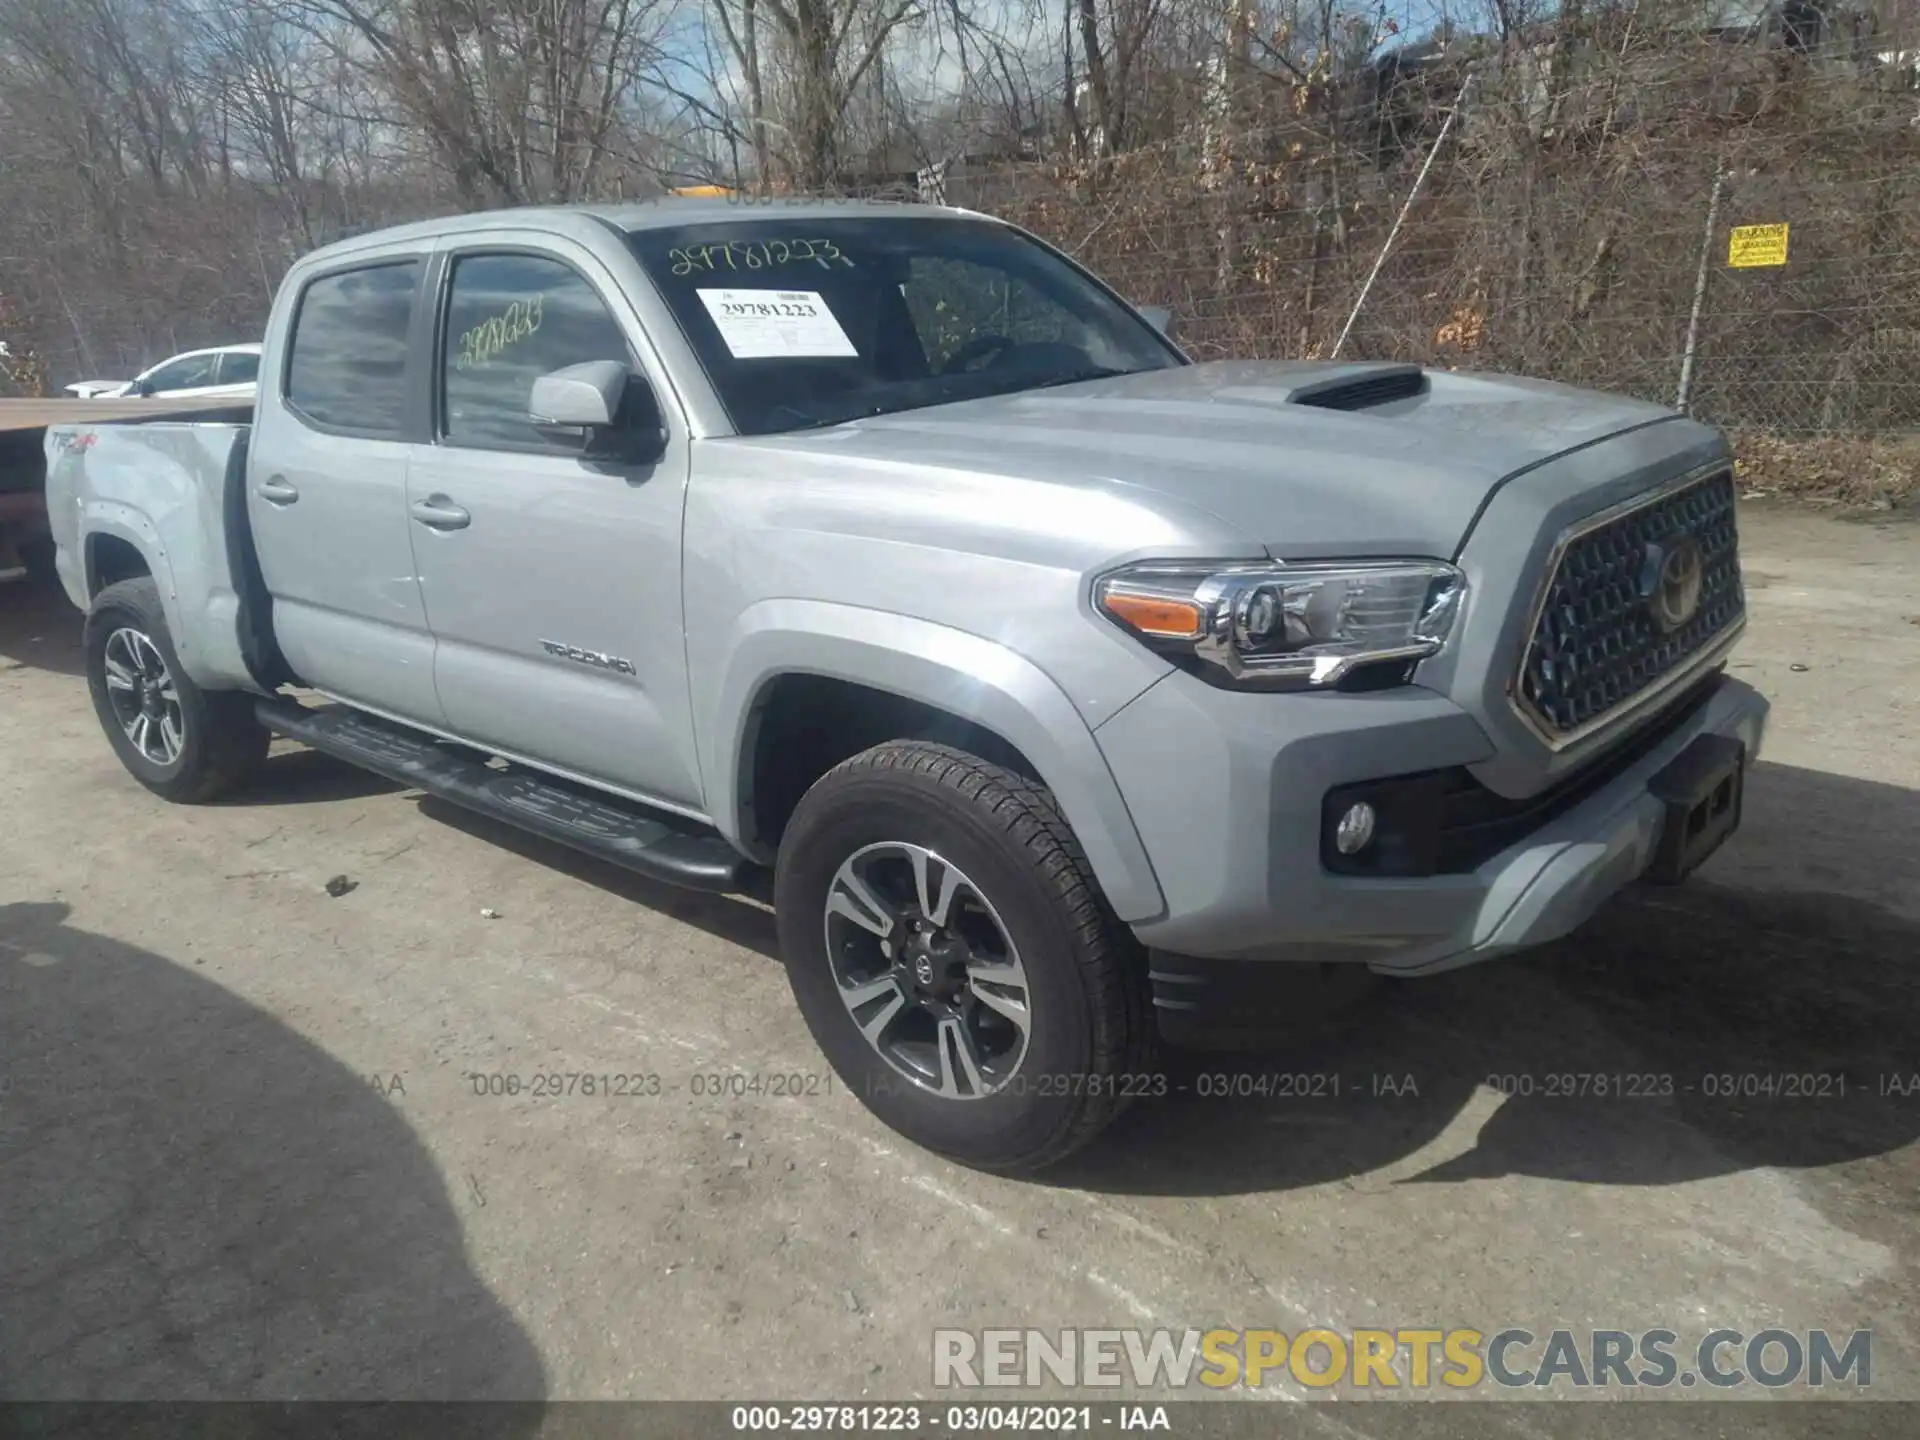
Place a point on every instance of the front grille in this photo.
(1596, 643)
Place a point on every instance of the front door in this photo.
(552, 584)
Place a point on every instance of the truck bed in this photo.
(162, 491)
(23, 468)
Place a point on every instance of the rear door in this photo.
(552, 583)
(334, 433)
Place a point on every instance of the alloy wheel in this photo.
(144, 697)
(927, 970)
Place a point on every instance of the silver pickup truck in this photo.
(1073, 693)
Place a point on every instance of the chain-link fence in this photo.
(1559, 232)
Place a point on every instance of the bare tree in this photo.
(518, 100)
(1112, 36)
(162, 161)
(801, 63)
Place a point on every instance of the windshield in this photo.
(807, 322)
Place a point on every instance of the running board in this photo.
(661, 847)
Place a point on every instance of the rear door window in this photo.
(347, 365)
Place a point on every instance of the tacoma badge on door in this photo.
(587, 657)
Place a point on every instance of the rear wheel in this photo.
(955, 960)
(181, 742)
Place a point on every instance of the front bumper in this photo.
(1233, 820)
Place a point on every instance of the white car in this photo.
(226, 372)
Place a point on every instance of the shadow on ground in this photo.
(295, 775)
(197, 1203)
(39, 627)
(1746, 1028)
(742, 920)
(1763, 1022)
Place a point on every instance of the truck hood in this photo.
(1400, 464)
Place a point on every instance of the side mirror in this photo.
(1158, 316)
(142, 388)
(602, 408)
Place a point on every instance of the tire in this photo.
(197, 744)
(1025, 921)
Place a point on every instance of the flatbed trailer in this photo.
(24, 539)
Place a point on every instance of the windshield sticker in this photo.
(496, 334)
(756, 255)
(775, 324)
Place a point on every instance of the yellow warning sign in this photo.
(1754, 245)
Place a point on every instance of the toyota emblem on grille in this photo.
(1671, 578)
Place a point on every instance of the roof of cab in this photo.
(641, 215)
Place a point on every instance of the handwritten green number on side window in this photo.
(496, 334)
(755, 255)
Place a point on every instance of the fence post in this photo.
(1685, 388)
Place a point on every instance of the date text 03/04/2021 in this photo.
(1819, 1085)
(946, 1420)
(639, 1084)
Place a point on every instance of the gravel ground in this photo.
(242, 1151)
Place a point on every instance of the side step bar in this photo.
(661, 847)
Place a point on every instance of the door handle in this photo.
(276, 491)
(437, 512)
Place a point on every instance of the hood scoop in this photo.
(1375, 385)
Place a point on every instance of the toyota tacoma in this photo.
(1072, 695)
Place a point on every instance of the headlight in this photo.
(1287, 627)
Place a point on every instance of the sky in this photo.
(927, 62)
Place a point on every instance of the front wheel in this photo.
(955, 960)
(181, 742)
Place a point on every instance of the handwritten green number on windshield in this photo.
(755, 255)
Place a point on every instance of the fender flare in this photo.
(976, 679)
(123, 522)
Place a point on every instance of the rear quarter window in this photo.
(347, 357)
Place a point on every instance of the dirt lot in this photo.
(242, 1152)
